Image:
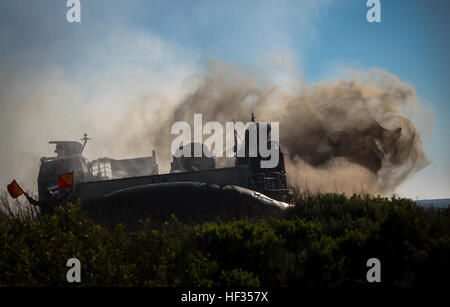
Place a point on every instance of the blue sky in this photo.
(321, 37)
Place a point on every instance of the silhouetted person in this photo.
(48, 206)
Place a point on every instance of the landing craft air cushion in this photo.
(194, 184)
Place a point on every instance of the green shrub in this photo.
(324, 240)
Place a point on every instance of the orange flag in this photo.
(65, 180)
(14, 189)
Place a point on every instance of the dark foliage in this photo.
(322, 241)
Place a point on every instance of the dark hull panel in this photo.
(225, 176)
(186, 200)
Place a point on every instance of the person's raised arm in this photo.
(31, 200)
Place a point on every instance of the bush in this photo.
(324, 240)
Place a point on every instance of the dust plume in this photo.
(349, 135)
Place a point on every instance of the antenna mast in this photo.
(85, 139)
(253, 109)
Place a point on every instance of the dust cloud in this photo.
(348, 135)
